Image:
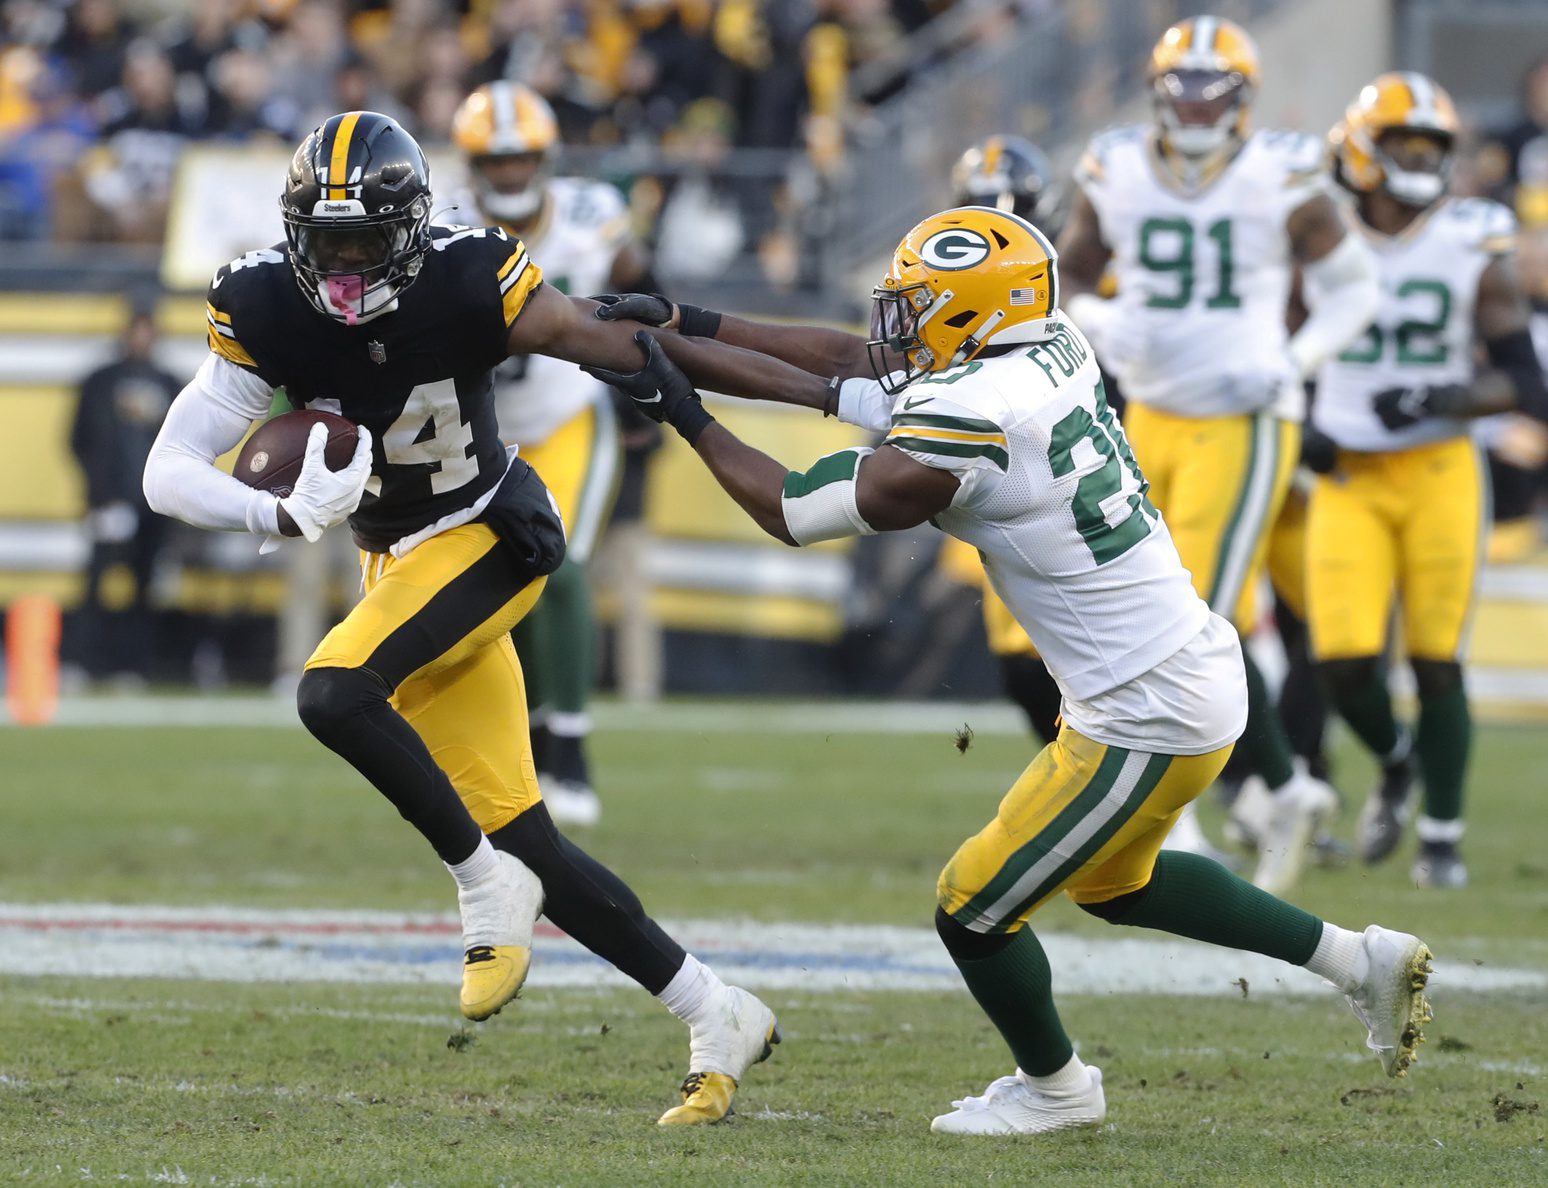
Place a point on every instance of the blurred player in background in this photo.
(1402, 508)
(117, 417)
(1203, 221)
(369, 311)
(562, 418)
(1011, 174)
(998, 432)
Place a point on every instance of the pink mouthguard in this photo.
(344, 293)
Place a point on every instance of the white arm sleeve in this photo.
(866, 404)
(208, 417)
(1342, 293)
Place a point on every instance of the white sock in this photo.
(480, 864)
(1431, 830)
(1340, 957)
(1073, 1078)
(568, 725)
(690, 989)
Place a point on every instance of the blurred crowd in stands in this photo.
(98, 98)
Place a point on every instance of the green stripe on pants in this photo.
(1037, 849)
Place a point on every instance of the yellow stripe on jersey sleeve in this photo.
(521, 276)
(229, 348)
(1499, 245)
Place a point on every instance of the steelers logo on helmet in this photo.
(959, 281)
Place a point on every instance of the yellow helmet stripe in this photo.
(338, 164)
(994, 148)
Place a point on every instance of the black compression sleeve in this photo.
(1515, 355)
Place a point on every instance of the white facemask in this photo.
(1197, 141)
(1414, 187)
(355, 311)
(511, 207)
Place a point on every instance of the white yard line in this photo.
(248, 945)
(731, 716)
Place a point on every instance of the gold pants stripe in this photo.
(435, 625)
(1085, 818)
(1407, 525)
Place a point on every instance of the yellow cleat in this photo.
(706, 1098)
(707, 1095)
(492, 975)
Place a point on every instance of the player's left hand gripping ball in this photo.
(324, 497)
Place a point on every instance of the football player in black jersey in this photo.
(368, 311)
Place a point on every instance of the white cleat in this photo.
(1390, 1000)
(1284, 823)
(741, 1032)
(571, 803)
(498, 914)
(1011, 1106)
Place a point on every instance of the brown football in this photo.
(271, 458)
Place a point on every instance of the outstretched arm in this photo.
(855, 492)
(567, 328)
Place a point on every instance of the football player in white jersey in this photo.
(563, 419)
(1403, 506)
(1202, 222)
(998, 432)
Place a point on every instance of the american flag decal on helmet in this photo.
(1026, 296)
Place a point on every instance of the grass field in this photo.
(193, 1081)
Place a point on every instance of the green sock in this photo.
(1368, 710)
(1015, 989)
(1264, 741)
(571, 644)
(531, 637)
(1442, 743)
(1198, 898)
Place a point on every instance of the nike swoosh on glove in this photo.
(660, 390)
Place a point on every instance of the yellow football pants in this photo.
(578, 463)
(1287, 551)
(1408, 524)
(1219, 483)
(1085, 818)
(435, 625)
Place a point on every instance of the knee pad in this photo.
(966, 945)
(327, 698)
(1436, 677)
(1349, 675)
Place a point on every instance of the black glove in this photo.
(660, 390)
(1318, 453)
(1399, 408)
(692, 320)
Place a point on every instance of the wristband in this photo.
(830, 398)
(694, 321)
(690, 419)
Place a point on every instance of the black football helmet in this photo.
(1009, 174)
(357, 214)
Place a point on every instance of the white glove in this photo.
(323, 497)
(1120, 338)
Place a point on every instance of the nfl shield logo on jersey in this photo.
(377, 351)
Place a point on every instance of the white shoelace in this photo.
(996, 1089)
